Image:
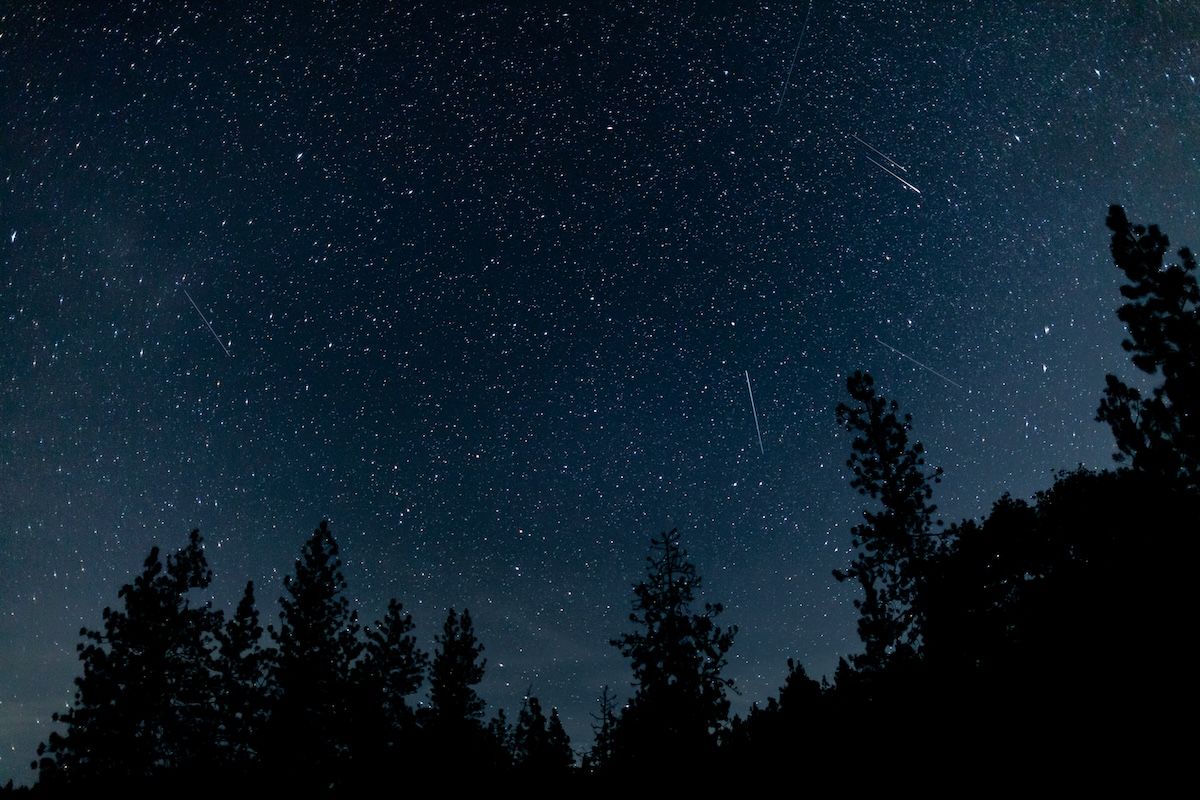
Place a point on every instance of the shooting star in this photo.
(889, 165)
(755, 410)
(919, 364)
(881, 154)
(210, 327)
(796, 52)
(907, 185)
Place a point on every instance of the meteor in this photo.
(919, 364)
(882, 154)
(907, 185)
(755, 410)
(792, 68)
(210, 327)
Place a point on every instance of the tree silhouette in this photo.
(540, 745)
(453, 730)
(500, 731)
(1160, 433)
(316, 645)
(390, 670)
(143, 712)
(677, 656)
(392, 666)
(894, 543)
(457, 670)
(997, 632)
(560, 757)
(796, 721)
(604, 727)
(242, 701)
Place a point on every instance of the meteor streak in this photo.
(882, 154)
(755, 410)
(907, 185)
(791, 69)
(210, 327)
(919, 364)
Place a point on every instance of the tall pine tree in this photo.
(390, 671)
(894, 542)
(144, 709)
(540, 745)
(677, 655)
(243, 696)
(316, 645)
(560, 756)
(454, 728)
(457, 670)
(604, 726)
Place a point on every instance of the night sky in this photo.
(490, 280)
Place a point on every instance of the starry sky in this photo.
(482, 284)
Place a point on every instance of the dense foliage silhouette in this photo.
(677, 654)
(540, 745)
(144, 709)
(243, 707)
(893, 543)
(389, 672)
(316, 646)
(1159, 433)
(1011, 641)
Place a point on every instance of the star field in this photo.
(484, 283)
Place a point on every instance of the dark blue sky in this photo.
(490, 279)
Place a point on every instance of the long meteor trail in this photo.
(895, 175)
(792, 68)
(881, 154)
(210, 327)
(919, 364)
(755, 410)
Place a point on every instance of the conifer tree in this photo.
(677, 656)
(540, 745)
(560, 757)
(316, 645)
(894, 542)
(500, 731)
(1159, 433)
(243, 695)
(391, 669)
(143, 712)
(603, 728)
(770, 736)
(454, 729)
(457, 669)
(531, 742)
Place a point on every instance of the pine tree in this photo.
(895, 542)
(603, 727)
(315, 647)
(243, 696)
(391, 669)
(560, 756)
(500, 731)
(457, 670)
(677, 656)
(530, 739)
(1159, 434)
(787, 727)
(540, 745)
(799, 694)
(453, 728)
(143, 710)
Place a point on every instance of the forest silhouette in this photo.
(1044, 633)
